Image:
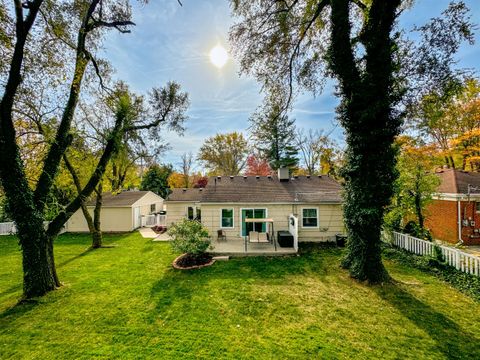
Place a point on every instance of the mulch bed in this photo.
(159, 229)
(187, 262)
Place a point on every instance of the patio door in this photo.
(253, 214)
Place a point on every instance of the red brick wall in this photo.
(441, 219)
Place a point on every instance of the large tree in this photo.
(291, 45)
(224, 154)
(288, 42)
(273, 133)
(77, 25)
(156, 179)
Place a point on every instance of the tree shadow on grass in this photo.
(19, 309)
(453, 341)
(76, 257)
(177, 287)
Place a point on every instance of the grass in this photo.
(127, 302)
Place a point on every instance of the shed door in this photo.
(136, 218)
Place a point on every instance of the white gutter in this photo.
(459, 213)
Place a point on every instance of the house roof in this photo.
(263, 189)
(123, 199)
(188, 195)
(457, 181)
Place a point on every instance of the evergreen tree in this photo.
(156, 179)
(274, 137)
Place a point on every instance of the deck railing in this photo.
(460, 260)
(154, 220)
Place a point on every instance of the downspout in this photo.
(459, 217)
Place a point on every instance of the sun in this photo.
(218, 56)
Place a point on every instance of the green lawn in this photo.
(127, 302)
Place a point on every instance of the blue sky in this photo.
(172, 43)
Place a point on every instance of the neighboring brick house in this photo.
(454, 214)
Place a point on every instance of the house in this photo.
(121, 212)
(310, 207)
(454, 213)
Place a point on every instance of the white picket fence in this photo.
(458, 259)
(9, 228)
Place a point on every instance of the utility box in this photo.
(284, 238)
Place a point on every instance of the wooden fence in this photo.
(8, 228)
(458, 259)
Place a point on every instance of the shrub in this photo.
(190, 237)
(412, 228)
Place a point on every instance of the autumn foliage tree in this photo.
(73, 30)
(257, 166)
(224, 154)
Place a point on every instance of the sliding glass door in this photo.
(253, 214)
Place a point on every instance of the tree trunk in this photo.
(97, 231)
(452, 162)
(367, 116)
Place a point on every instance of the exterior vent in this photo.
(283, 174)
(200, 189)
(219, 177)
(269, 176)
(231, 177)
(184, 190)
(308, 176)
(257, 177)
(295, 176)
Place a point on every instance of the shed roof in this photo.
(123, 199)
(457, 181)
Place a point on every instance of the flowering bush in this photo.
(190, 237)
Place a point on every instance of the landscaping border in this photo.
(175, 266)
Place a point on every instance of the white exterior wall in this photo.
(330, 219)
(111, 219)
(146, 201)
(177, 210)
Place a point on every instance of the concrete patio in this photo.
(237, 248)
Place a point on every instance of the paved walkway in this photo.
(150, 234)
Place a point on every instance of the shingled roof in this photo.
(193, 195)
(456, 181)
(263, 189)
(123, 199)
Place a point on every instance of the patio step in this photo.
(221, 258)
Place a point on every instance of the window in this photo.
(227, 218)
(310, 218)
(477, 207)
(199, 214)
(190, 213)
(153, 208)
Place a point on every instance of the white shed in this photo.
(121, 212)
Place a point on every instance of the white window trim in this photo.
(318, 217)
(233, 218)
